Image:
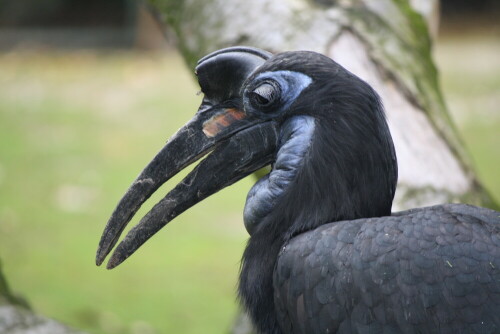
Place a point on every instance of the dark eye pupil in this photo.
(264, 94)
(261, 99)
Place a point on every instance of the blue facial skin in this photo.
(295, 139)
(291, 85)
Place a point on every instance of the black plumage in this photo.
(325, 253)
(428, 270)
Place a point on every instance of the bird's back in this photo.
(427, 270)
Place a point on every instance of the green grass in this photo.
(75, 130)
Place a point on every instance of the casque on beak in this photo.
(241, 144)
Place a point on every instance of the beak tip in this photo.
(113, 262)
(106, 244)
(99, 259)
(117, 258)
(102, 252)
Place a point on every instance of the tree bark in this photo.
(385, 42)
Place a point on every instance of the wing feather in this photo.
(427, 270)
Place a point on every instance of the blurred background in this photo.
(89, 92)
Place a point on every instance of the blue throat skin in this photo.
(256, 283)
(295, 140)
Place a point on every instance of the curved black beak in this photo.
(241, 144)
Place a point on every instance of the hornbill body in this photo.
(325, 254)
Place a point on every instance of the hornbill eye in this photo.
(265, 95)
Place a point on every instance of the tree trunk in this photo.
(385, 42)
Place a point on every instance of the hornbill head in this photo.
(322, 129)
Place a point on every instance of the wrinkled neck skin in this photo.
(265, 224)
(295, 139)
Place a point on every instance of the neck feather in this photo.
(266, 227)
(325, 171)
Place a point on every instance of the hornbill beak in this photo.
(241, 144)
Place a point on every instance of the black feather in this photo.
(330, 258)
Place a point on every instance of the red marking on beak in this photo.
(222, 120)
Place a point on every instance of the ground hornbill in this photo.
(325, 254)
